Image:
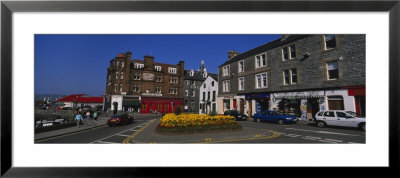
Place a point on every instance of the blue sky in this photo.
(68, 64)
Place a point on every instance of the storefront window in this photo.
(227, 104)
(335, 103)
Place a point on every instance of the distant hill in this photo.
(53, 97)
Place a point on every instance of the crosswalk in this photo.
(313, 138)
(119, 137)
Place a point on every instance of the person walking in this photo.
(78, 119)
(95, 115)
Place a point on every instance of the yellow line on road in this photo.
(126, 141)
(274, 135)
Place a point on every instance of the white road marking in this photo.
(121, 135)
(311, 138)
(332, 140)
(104, 142)
(323, 132)
(292, 135)
(326, 141)
(354, 143)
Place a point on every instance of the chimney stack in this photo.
(283, 37)
(232, 54)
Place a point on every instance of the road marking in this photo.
(117, 134)
(332, 140)
(122, 135)
(323, 132)
(274, 135)
(311, 138)
(292, 135)
(354, 143)
(326, 141)
(104, 142)
(126, 141)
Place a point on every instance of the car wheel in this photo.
(362, 126)
(321, 124)
(280, 122)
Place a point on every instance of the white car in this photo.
(339, 118)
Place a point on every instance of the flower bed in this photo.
(196, 122)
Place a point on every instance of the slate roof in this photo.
(265, 47)
(198, 75)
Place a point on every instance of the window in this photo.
(241, 83)
(214, 94)
(208, 95)
(330, 41)
(332, 70)
(122, 64)
(173, 80)
(122, 75)
(187, 82)
(225, 71)
(227, 104)
(294, 75)
(193, 82)
(191, 73)
(212, 83)
(136, 88)
(138, 65)
(120, 87)
(289, 52)
(117, 63)
(136, 76)
(204, 96)
(261, 80)
(329, 114)
(172, 70)
(193, 93)
(115, 87)
(225, 86)
(116, 75)
(261, 61)
(335, 103)
(241, 66)
(158, 78)
(157, 68)
(289, 76)
(158, 89)
(320, 113)
(173, 91)
(204, 85)
(186, 93)
(341, 114)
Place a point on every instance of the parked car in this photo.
(66, 108)
(238, 116)
(274, 116)
(340, 118)
(120, 120)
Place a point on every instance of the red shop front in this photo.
(159, 104)
(359, 98)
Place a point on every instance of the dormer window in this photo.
(172, 70)
(191, 73)
(157, 68)
(138, 65)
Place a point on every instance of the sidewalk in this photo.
(88, 124)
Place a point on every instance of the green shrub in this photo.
(213, 113)
(178, 110)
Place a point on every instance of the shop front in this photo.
(257, 102)
(359, 99)
(160, 104)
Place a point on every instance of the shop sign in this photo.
(357, 92)
(148, 76)
(259, 95)
(303, 94)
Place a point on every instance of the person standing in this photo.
(88, 115)
(95, 115)
(78, 119)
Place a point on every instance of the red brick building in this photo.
(143, 85)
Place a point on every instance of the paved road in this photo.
(142, 131)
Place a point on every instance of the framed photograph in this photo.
(285, 81)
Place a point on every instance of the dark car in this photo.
(276, 117)
(119, 120)
(238, 116)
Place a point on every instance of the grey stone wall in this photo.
(311, 71)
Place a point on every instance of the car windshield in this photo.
(352, 113)
(278, 113)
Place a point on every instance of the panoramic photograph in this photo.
(207, 89)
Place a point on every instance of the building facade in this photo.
(80, 100)
(193, 80)
(143, 86)
(208, 95)
(296, 74)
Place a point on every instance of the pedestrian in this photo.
(78, 119)
(95, 115)
(88, 115)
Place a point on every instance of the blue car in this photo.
(275, 117)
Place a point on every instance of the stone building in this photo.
(143, 86)
(208, 95)
(297, 74)
(193, 80)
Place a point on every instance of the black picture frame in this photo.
(8, 7)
